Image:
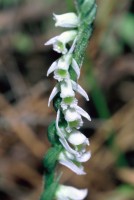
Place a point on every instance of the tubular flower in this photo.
(68, 20)
(69, 114)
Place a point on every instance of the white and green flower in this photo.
(59, 42)
(74, 142)
(61, 66)
(73, 116)
(76, 87)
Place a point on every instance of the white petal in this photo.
(83, 113)
(72, 115)
(85, 157)
(52, 40)
(64, 62)
(68, 163)
(67, 36)
(66, 89)
(67, 147)
(53, 94)
(80, 90)
(76, 68)
(77, 138)
(69, 20)
(59, 132)
(52, 68)
(73, 167)
(70, 193)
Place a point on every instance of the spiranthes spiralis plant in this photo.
(68, 143)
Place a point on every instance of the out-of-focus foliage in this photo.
(126, 29)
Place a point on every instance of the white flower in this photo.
(63, 134)
(61, 66)
(75, 138)
(69, 20)
(73, 118)
(61, 71)
(69, 160)
(70, 193)
(67, 93)
(59, 42)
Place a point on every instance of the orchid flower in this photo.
(61, 66)
(59, 42)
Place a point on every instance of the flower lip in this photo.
(77, 138)
(70, 193)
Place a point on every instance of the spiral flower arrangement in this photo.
(68, 143)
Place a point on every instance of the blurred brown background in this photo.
(108, 77)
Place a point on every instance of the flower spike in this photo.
(69, 145)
